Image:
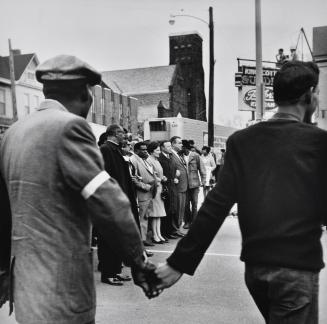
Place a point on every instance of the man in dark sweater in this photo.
(276, 172)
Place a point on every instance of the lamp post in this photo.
(259, 80)
(211, 70)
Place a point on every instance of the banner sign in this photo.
(245, 81)
(247, 76)
(247, 98)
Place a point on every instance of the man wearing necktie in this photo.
(181, 174)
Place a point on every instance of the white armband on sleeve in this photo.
(94, 184)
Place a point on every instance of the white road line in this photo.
(208, 253)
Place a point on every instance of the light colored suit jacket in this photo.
(195, 167)
(146, 186)
(183, 178)
(57, 185)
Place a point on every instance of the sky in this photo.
(124, 34)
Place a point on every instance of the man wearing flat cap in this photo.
(57, 187)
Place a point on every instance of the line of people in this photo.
(162, 181)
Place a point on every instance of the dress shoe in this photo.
(147, 243)
(164, 240)
(148, 254)
(179, 234)
(157, 242)
(122, 277)
(172, 236)
(112, 281)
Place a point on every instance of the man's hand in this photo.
(144, 277)
(167, 276)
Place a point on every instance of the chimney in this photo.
(16, 52)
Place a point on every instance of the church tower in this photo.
(186, 50)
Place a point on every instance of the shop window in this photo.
(158, 126)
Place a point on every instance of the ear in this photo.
(307, 98)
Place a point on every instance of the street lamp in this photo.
(211, 69)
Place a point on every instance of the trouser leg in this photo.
(188, 212)
(181, 207)
(284, 295)
(110, 262)
(143, 214)
(194, 195)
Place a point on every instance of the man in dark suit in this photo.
(168, 226)
(182, 183)
(276, 172)
(110, 262)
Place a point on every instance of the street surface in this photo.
(216, 293)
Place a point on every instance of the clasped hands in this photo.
(154, 279)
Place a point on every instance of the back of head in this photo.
(66, 78)
(293, 80)
(112, 129)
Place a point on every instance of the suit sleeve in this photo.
(191, 249)
(82, 166)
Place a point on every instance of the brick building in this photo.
(166, 91)
(108, 106)
(186, 50)
(159, 90)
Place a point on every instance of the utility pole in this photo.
(258, 47)
(211, 80)
(13, 82)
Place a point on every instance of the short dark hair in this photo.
(162, 143)
(173, 139)
(152, 146)
(112, 129)
(293, 80)
(186, 144)
(206, 148)
(102, 138)
(138, 145)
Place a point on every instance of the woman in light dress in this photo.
(158, 204)
(210, 165)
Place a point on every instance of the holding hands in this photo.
(154, 279)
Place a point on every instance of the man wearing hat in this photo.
(57, 187)
(276, 172)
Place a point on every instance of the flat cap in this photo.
(67, 68)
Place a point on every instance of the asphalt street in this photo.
(215, 294)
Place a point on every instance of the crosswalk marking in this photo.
(208, 253)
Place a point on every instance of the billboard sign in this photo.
(245, 81)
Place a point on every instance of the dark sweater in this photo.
(276, 172)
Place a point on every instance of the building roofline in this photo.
(185, 33)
